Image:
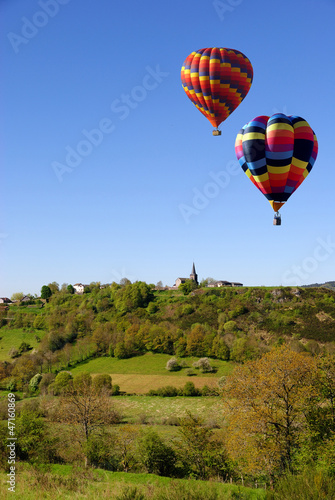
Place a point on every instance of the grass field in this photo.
(140, 374)
(157, 409)
(64, 482)
(12, 337)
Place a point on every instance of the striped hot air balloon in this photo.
(277, 153)
(216, 80)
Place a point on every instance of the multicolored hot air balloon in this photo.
(277, 153)
(216, 80)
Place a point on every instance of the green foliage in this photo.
(188, 286)
(190, 390)
(61, 382)
(156, 456)
(311, 485)
(102, 381)
(46, 292)
(34, 382)
(120, 351)
(230, 327)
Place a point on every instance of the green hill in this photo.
(227, 324)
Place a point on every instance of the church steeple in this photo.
(193, 275)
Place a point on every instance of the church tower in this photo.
(193, 275)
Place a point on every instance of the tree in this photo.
(199, 451)
(102, 381)
(87, 409)
(46, 292)
(188, 286)
(17, 296)
(126, 446)
(61, 382)
(172, 365)
(267, 401)
(70, 289)
(54, 287)
(156, 456)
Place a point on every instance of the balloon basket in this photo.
(216, 132)
(277, 219)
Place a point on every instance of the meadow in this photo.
(140, 374)
(66, 482)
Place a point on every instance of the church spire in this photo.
(193, 275)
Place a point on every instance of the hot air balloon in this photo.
(216, 80)
(276, 153)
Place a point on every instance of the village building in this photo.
(5, 300)
(193, 277)
(79, 288)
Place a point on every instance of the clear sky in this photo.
(109, 171)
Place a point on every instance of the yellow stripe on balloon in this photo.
(299, 163)
(253, 135)
(279, 170)
(279, 126)
(261, 178)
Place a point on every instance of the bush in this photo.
(34, 382)
(230, 327)
(156, 456)
(190, 390)
(172, 365)
(204, 365)
(115, 390)
(102, 381)
(61, 382)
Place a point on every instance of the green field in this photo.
(140, 374)
(12, 337)
(158, 409)
(149, 364)
(65, 482)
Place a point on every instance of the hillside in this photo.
(126, 321)
(327, 284)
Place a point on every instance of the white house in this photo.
(79, 287)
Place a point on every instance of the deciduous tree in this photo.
(267, 401)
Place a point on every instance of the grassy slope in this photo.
(12, 337)
(142, 373)
(67, 483)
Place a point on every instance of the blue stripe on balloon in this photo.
(279, 155)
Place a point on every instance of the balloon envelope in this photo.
(216, 80)
(276, 153)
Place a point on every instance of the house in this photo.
(5, 300)
(223, 283)
(79, 288)
(219, 284)
(26, 299)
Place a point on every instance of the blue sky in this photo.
(109, 171)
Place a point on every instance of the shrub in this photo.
(115, 390)
(102, 381)
(61, 382)
(190, 390)
(34, 382)
(230, 327)
(156, 456)
(172, 365)
(204, 365)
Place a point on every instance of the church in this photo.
(193, 277)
